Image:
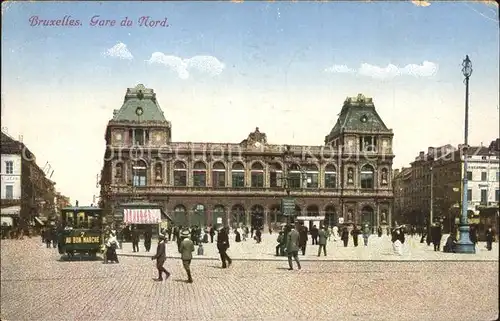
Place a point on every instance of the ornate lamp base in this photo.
(464, 245)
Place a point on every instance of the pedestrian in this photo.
(186, 250)
(292, 247)
(355, 234)
(335, 231)
(490, 238)
(436, 236)
(345, 236)
(314, 235)
(366, 234)
(303, 238)
(379, 231)
(48, 237)
(161, 257)
(473, 234)
(322, 238)
(223, 246)
(135, 239)
(397, 241)
(281, 243)
(148, 234)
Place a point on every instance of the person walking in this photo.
(135, 239)
(281, 244)
(490, 238)
(186, 250)
(303, 238)
(292, 247)
(366, 234)
(148, 234)
(322, 238)
(345, 236)
(436, 236)
(161, 257)
(222, 246)
(355, 234)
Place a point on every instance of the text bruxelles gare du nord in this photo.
(97, 21)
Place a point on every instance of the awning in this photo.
(11, 210)
(39, 221)
(165, 214)
(142, 216)
(7, 220)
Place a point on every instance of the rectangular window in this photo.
(238, 179)
(9, 192)
(139, 137)
(180, 178)
(257, 179)
(9, 167)
(330, 180)
(484, 176)
(294, 180)
(312, 180)
(218, 178)
(275, 179)
(469, 176)
(199, 178)
(139, 180)
(469, 195)
(484, 197)
(497, 195)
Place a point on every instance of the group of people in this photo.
(186, 247)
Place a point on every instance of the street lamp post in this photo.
(464, 245)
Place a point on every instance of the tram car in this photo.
(81, 231)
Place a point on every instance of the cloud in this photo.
(205, 64)
(426, 69)
(340, 69)
(119, 51)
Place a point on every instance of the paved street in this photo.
(379, 249)
(35, 285)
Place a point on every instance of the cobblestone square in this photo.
(36, 285)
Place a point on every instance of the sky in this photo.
(220, 69)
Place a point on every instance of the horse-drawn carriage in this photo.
(81, 232)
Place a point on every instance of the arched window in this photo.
(294, 176)
(330, 176)
(257, 216)
(238, 216)
(199, 217)
(180, 174)
(275, 175)
(158, 172)
(238, 175)
(366, 177)
(139, 173)
(311, 176)
(218, 175)
(199, 174)
(330, 216)
(257, 175)
(312, 210)
(180, 216)
(219, 217)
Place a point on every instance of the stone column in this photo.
(389, 216)
(266, 222)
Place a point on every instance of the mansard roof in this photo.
(358, 114)
(139, 99)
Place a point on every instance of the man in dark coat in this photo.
(212, 233)
(302, 238)
(135, 239)
(314, 235)
(222, 246)
(436, 235)
(355, 233)
(148, 234)
(161, 257)
(490, 238)
(292, 247)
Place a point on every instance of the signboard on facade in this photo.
(10, 178)
(141, 216)
(310, 218)
(288, 206)
(341, 220)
